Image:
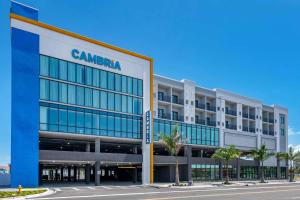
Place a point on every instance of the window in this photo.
(63, 92)
(96, 79)
(63, 70)
(44, 89)
(63, 120)
(134, 86)
(111, 101)
(44, 65)
(111, 81)
(160, 96)
(161, 113)
(118, 82)
(71, 94)
(53, 119)
(124, 103)
(103, 79)
(174, 98)
(282, 119)
(129, 85)
(174, 115)
(53, 91)
(124, 84)
(140, 88)
(96, 98)
(118, 102)
(80, 74)
(43, 118)
(129, 104)
(88, 76)
(88, 97)
(103, 100)
(53, 68)
(282, 131)
(135, 106)
(80, 95)
(71, 72)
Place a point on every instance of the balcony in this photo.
(211, 123)
(265, 132)
(271, 120)
(245, 128)
(200, 121)
(178, 118)
(230, 126)
(251, 116)
(230, 112)
(252, 130)
(177, 101)
(200, 105)
(271, 133)
(164, 115)
(164, 98)
(211, 108)
(245, 115)
(265, 119)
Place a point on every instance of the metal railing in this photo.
(178, 101)
(200, 105)
(245, 128)
(164, 116)
(251, 116)
(211, 108)
(165, 98)
(178, 118)
(252, 130)
(245, 115)
(211, 123)
(231, 112)
(200, 121)
(230, 126)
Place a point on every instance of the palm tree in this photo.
(291, 157)
(227, 155)
(261, 155)
(173, 144)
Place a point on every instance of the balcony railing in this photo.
(164, 115)
(211, 108)
(165, 98)
(231, 112)
(265, 119)
(265, 132)
(271, 132)
(211, 123)
(252, 130)
(200, 121)
(251, 116)
(178, 118)
(200, 105)
(245, 128)
(178, 101)
(245, 115)
(230, 126)
(271, 120)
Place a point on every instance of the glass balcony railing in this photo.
(200, 121)
(271, 120)
(230, 126)
(251, 116)
(200, 105)
(252, 130)
(211, 123)
(265, 119)
(245, 128)
(211, 108)
(265, 132)
(178, 118)
(231, 112)
(177, 101)
(164, 115)
(245, 115)
(165, 98)
(271, 132)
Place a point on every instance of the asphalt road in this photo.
(259, 192)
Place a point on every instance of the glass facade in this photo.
(205, 172)
(195, 134)
(85, 100)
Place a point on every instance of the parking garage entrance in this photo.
(51, 173)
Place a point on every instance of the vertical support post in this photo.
(278, 169)
(87, 173)
(97, 173)
(40, 174)
(61, 174)
(238, 169)
(75, 173)
(69, 173)
(88, 147)
(135, 175)
(97, 145)
(221, 170)
(188, 154)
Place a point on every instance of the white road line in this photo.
(91, 188)
(75, 189)
(109, 188)
(57, 189)
(182, 191)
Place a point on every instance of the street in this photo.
(257, 192)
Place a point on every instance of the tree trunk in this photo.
(177, 173)
(262, 173)
(227, 174)
(291, 174)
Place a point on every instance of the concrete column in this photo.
(172, 173)
(87, 173)
(97, 145)
(69, 173)
(221, 170)
(56, 172)
(40, 174)
(75, 173)
(278, 168)
(88, 147)
(188, 154)
(238, 169)
(135, 150)
(135, 175)
(97, 173)
(61, 174)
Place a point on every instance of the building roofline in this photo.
(24, 5)
(75, 35)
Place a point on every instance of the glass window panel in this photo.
(129, 127)
(71, 72)
(88, 120)
(124, 124)
(80, 122)
(129, 104)
(63, 70)
(111, 101)
(88, 97)
(135, 106)
(118, 82)
(124, 103)
(110, 122)
(103, 121)
(80, 95)
(111, 81)
(88, 75)
(44, 65)
(63, 117)
(96, 79)
(134, 86)
(103, 79)
(53, 91)
(53, 67)
(96, 121)
(80, 74)
(103, 100)
(44, 89)
(124, 84)
(118, 102)
(117, 123)
(71, 118)
(53, 119)
(63, 92)
(96, 98)
(140, 88)
(129, 85)
(44, 118)
(71, 94)
(135, 125)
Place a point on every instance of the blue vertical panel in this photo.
(25, 109)
(23, 10)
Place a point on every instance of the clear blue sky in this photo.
(248, 47)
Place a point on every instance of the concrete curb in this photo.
(48, 192)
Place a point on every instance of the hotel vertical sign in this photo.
(148, 127)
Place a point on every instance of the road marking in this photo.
(91, 188)
(75, 188)
(57, 189)
(109, 188)
(179, 191)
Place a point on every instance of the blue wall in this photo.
(25, 109)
